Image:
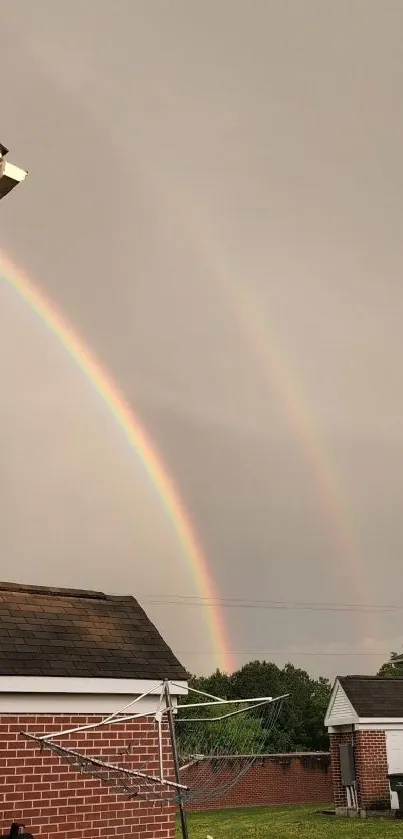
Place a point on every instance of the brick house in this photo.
(69, 658)
(365, 724)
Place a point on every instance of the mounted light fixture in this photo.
(10, 175)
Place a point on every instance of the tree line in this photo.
(300, 725)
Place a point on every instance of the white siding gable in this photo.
(340, 710)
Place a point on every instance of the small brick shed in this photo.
(365, 724)
(68, 658)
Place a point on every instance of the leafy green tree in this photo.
(392, 669)
(216, 733)
(218, 684)
(300, 725)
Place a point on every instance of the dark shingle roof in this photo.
(371, 696)
(67, 632)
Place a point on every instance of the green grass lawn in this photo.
(286, 823)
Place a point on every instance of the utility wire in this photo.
(174, 601)
(317, 653)
(240, 603)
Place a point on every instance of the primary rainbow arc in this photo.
(139, 440)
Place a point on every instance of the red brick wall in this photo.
(272, 779)
(371, 769)
(54, 802)
(339, 792)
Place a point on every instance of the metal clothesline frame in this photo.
(231, 713)
(88, 759)
(115, 775)
(119, 716)
(116, 717)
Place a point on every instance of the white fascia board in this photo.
(379, 724)
(341, 721)
(340, 729)
(367, 724)
(378, 720)
(14, 172)
(110, 687)
(75, 703)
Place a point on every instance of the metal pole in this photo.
(171, 722)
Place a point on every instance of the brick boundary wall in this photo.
(295, 778)
(371, 768)
(55, 802)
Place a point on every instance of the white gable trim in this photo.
(67, 685)
(340, 710)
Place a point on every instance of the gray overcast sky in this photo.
(215, 203)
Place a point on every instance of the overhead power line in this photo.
(246, 603)
(264, 651)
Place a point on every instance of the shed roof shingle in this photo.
(372, 696)
(68, 632)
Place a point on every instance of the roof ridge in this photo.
(54, 591)
(363, 678)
